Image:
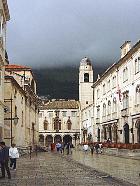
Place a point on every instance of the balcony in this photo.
(124, 112)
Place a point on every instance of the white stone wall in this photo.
(130, 86)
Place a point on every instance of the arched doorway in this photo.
(41, 139)
(57, 139)
(126, 133)
(49, 140)
(67, 138)
(138, 130)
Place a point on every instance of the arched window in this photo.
(45, 124)
(109, 107)
(57, 123)
(104, 109)
(114, 108)
(86, 77)
(69, 124)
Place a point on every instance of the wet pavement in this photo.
(52, 169)
(119, 167)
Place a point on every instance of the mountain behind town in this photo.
(61, 82)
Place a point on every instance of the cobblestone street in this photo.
(51, 169)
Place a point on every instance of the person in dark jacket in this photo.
(4, 159)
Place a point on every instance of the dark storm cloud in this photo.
(57, 32)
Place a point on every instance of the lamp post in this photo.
(11, 119)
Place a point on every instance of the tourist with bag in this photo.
(14, 154)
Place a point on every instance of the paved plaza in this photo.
(119, 167)
(52, 169)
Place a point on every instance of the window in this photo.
(109, 107)
(137, 65)
(15, 110)
(73, 113)
(108, 85)
(125, 74)
(98, 93)
(45, 124)
(104, 89)
(64, 113)
(86, 77)
(86, 102)
(69, 124)
(114, 108)
(114, 82)
(98, 111)
(22, 100)
(138, 95)
(125, 100)
(57, 123)
(15, 93)
(104, 109)
(50, 114)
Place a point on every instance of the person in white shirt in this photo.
(14, 154)
(85, 147)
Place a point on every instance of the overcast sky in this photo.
(57, 32)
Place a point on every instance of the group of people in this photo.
(7, 154)
(61, 146)
(97, 147)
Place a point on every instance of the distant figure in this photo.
(100, 147)
(92, 148)
(85, 147)
(68, 147)
(108, 140)
(97, 148)
(58, 146)
(4, 159)
(14, 154)
(62, 148)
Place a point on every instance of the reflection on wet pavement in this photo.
(126, 169)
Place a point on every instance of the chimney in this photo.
(125, 48)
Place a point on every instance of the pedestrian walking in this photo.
(85, 147)
(58, 146)
(100, 147)
(92, 148)
(4, 160)
(97, 147)
(68, 148)
(62, 148)
(14, 154)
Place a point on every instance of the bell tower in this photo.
(85, 83)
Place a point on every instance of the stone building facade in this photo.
(59, 122)
(22, 102)
(4, 17)
(116, 103)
